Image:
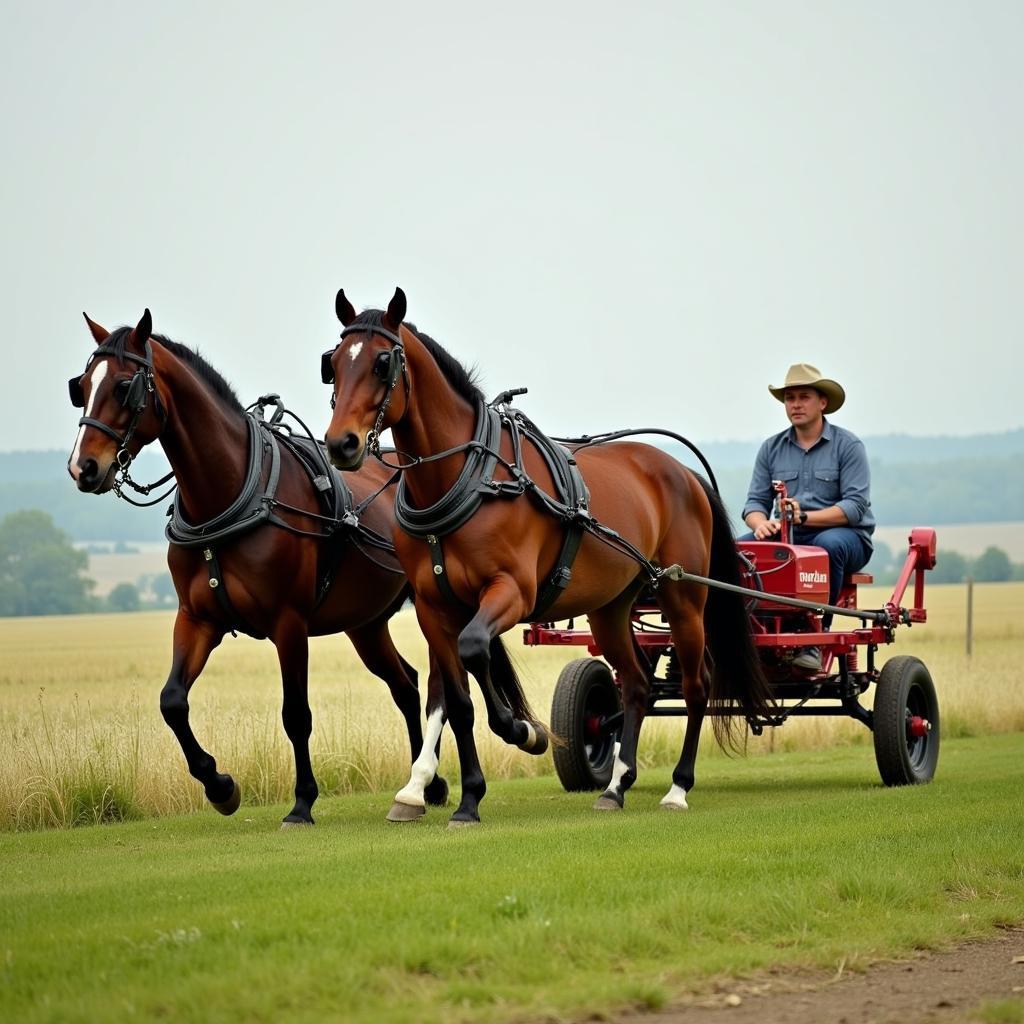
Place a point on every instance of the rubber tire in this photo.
(583, 686)
(905, 687)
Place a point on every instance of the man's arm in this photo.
(760, 496)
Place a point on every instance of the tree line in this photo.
(43, 573)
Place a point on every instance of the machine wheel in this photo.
(906, 723)
(585, 698)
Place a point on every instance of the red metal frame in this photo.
(768, 632)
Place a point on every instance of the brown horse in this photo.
(476, 576)
(284, 575)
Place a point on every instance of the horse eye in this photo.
(121, 390)
(381, 365)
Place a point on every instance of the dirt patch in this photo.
(935, 988)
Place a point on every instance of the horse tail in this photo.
(737, 675)
(506, 681)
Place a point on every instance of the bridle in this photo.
(387, 367)
(134, 396)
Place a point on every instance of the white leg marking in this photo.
(618, 770)
(96, 377)
(424, 766)
(675, 799)
(531, 736)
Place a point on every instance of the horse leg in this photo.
(374, 645)
(501, 607)
(612, 633)
(460, 711)
(411, 800)
(192, 645)
(683, 607)
(447, 670)
(292, 642)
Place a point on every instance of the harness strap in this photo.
(441, 574)
(235, 621)
(476, 482)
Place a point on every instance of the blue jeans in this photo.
(847, 553)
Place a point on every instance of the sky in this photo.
(641, 212)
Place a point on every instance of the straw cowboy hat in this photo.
(803, 375)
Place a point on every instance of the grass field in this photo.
(547, 911)
(82, 740)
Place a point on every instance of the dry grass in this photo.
(82, 739)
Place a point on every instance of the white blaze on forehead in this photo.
(96, 377)
(354, 351)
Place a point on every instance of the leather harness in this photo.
(476, 483)
(257, 503)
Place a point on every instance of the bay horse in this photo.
(479, 574)
(282, 576)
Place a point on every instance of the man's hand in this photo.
(791, 509)
(767, 529)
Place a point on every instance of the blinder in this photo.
(384, 367)
(130, 393)
(326, 367)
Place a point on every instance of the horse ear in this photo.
(396, 311)
(345, 310)
(142, 330)
(99, 334)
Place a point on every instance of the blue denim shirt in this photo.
(833, 471)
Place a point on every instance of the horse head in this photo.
(114, 392)
(364, 367)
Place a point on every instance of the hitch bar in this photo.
(678, 574)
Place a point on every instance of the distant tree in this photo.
(881, 564)
(163, 588)
(1018, 571)
(992, 566)
(124, 598)
(950, 567)
(40, 569)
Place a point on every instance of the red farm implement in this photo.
(788, 589)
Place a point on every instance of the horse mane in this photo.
(465, 382)
(116, 342)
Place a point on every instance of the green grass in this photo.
(1005, 1011)
(544, 911)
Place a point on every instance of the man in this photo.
(825, 469)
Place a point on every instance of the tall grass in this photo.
(82, 739)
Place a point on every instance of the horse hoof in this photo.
(437, 792)
(291, 822)
(232, 803)
(606, 803)
(462, 823)
(536, 741)
(405, 812)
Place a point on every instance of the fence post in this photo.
(970, 614)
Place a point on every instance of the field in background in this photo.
(146, 559)
(82, 739)
(969, 539)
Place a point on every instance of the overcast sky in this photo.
(642, 212)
